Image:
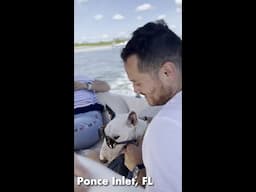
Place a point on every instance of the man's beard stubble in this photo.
(163, 96)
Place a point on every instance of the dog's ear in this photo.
(101, 132)
(132, 118)
(110, 112)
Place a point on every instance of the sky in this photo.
(104, 20)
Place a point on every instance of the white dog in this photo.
(123, 129)
(118, 106)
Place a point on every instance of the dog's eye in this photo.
(116, 137)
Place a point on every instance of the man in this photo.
(152, 60)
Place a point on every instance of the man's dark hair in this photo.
(154, 43)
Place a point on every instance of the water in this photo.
(104, 64)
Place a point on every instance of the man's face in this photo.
(150, 85)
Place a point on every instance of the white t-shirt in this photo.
(84, 97)
(162, 148)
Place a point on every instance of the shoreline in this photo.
(91, 48)
(86, 48)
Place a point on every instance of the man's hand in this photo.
(133, 155)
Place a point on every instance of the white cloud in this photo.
(118, 17)
(178, 10)
(144, 7)
(104, 36)
(82, 1)
(139, 17)
(173, 26)
(161, 16)
(123, 34)
(179, 6)
(98, 17)
(178, 2)
(87, 38)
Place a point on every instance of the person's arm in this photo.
(141, 174)
(100, 86)
(97, 86)
(133, 157)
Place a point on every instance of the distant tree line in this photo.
(101, 43)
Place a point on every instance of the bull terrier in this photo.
(120, 131)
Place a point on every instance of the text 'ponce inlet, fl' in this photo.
(114, 181)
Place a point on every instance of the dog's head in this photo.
(123, 129)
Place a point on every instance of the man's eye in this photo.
(116, 137)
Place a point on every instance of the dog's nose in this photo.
(103, 160)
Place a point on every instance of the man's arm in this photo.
(97, 86)
(133, 157)
(141, 174)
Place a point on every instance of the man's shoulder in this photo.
(162, 129)
(167, 117)
(171, 111)
(175, 103)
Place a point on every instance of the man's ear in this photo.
(111, 113)
(168, 70)
(132, 119)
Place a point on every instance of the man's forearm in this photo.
(141, 174)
